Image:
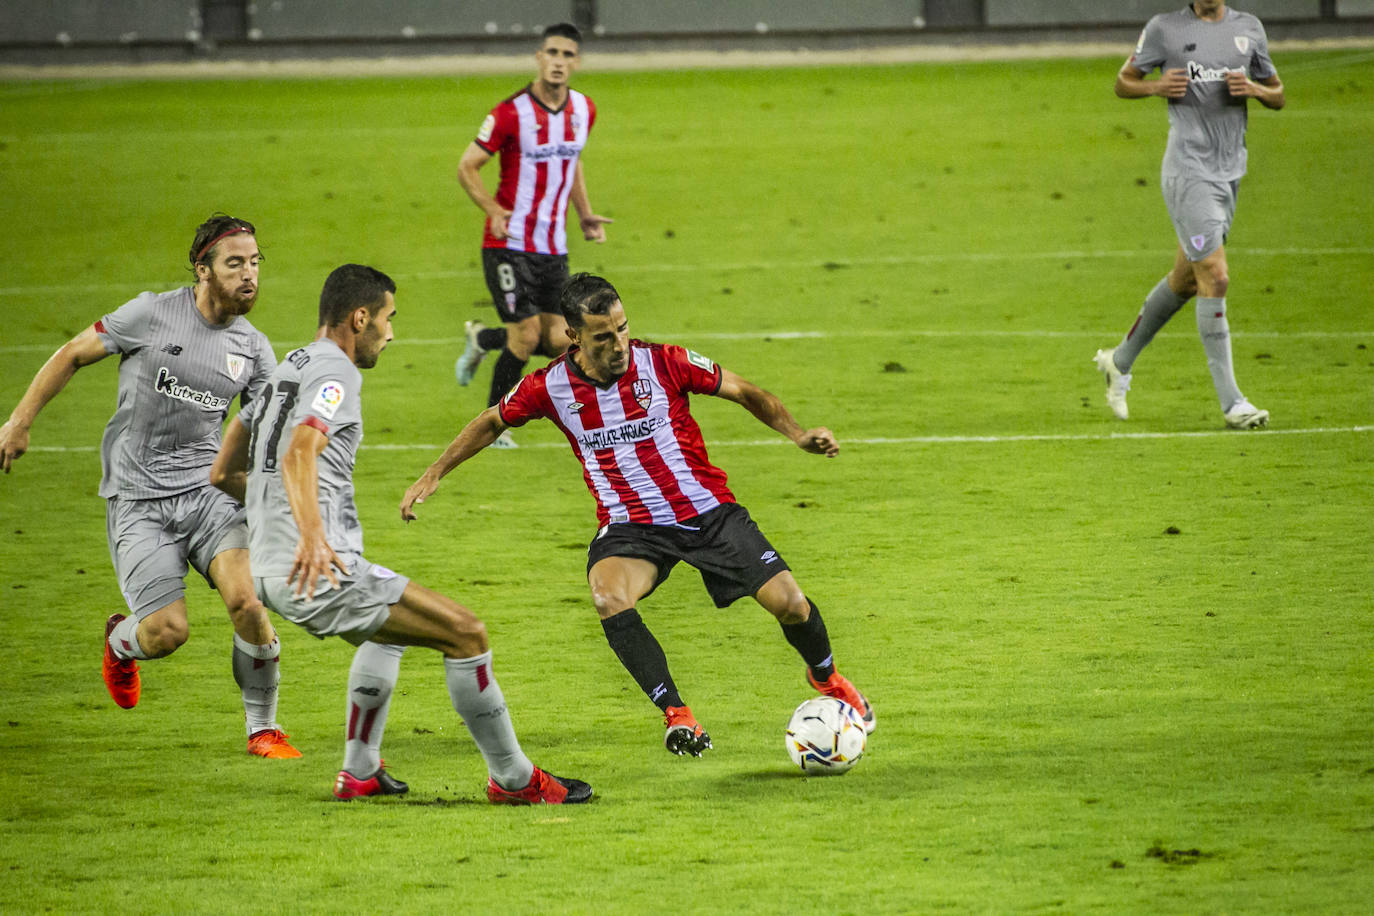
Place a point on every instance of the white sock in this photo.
(371, 679)
(124, 639)
(257, 673)
(478, 699)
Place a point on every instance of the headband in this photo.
(211, 244)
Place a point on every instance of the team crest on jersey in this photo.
(643, 392)
(236, 364)
(1198, 241)
(328, 399)
(1243, 44)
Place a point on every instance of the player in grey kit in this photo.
(184, 356)
(1212, 60)
(291, 453)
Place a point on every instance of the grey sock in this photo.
(257, 673)
(124, 639)
(1216, 340)
(478, 699)
(371, 679)
(1160, 305)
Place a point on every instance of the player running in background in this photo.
(184, 356)
(623, 404)
(1212, 60)
(539, 134)
(295, 472)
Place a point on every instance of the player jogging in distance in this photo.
(539, 134)
(623, 405)
(185, 355)
(295, 472)
(1212, 61)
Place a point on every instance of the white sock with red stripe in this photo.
(257, 673)
(478, 699)
(371, 679)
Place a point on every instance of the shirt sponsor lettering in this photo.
(167, 385)
(1201, 74)
(611, 436)
(553, 151)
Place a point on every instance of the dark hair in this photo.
(586, 294)
(211, 231)
(562, 30)
(351, 287)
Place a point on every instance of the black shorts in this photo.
(523, 284)
(726, 547)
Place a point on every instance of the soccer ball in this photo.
(826, 735)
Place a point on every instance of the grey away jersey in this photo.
(1207, 125)
(319, 386)
(178, 374)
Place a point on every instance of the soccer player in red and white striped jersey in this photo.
(623, 405)
(539, 134)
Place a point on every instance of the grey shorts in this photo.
(355, 610)
(1201, 212)
(152, 541)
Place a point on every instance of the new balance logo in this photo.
(368, 691)
(769, 556)
(173, 349)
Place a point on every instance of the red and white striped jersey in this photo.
(642, 454)
(539, 150)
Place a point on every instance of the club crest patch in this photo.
(643, 392)
(235, 364)
(1198, 241)
(328, 399)
(1243, 44)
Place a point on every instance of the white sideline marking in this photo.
(879, 440)
(838, 263)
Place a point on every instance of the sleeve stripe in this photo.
(316, 423)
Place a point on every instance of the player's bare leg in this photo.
(617, 585)
(805, 631)
(256, 655)
(424, 617)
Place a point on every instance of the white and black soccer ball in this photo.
(826, 735)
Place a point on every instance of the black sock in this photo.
(505, 375)
(642, 656)
(812, 643)
(491, 338)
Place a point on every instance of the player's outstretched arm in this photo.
(230, 470)
(300, 478)
(1132, 84)
(469, 176)
(477, 435)
(82, 350)
(773, 413)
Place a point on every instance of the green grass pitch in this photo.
(1117, 667)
